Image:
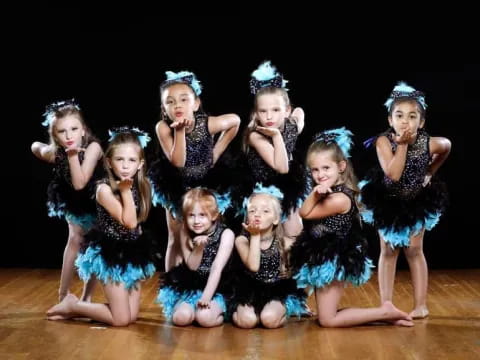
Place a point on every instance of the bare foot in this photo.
(402, 322)
(64, 309)
(419, 313)
(393, 313)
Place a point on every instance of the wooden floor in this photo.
(451, 332)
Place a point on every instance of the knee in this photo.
(413, 251)
(121, 320)
(270, 319)
(182, 318)
(388, 253)
(246, 320)
(326, 322)
(205, 318)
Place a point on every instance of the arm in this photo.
(228, 125)
(223, 254)
(174, 147)
(192, 256)
(121, 210)
(440, 149)
(43, 151)
(249, 251)
(327, 205)
(275, 156)
(392, 164)
(299, 115)
(81, 174)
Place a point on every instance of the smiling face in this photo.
(68, 131)
(324, 169)
(199, 220)
(179, 102)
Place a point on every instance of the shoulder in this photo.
(241, 240)
(339, 201)
(103, 190)
(94, 147)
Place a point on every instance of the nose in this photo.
(269, 114)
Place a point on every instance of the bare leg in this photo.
(75, 239)
(292, 227)
(116, 312)
(183, 315)
(328, 315)
(134, 300)
(173, 253)
(245, 317)
(88, 289)
(273, 315)
(419, 270)
(387, 264)
(210, 317)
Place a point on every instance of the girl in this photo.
(331, 252)
(269, 143)
(193, 290)
(118, 254)
(186, 136)
(401, 195)
(75, 152)
(262, 293)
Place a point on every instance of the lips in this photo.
(270, 123)
(178, 114)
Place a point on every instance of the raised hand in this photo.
(406, 137)
(74, 150)
(270, 132)
(253, 229)
(321, 190)
(182, 123)
(125, 184)
(200, 240)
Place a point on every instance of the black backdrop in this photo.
(114, 73)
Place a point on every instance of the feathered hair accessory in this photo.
(266, 75)
(142, 136)
(51, 109)
(402, 90)
(185, 77)
(341, 136)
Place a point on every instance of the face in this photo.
(261, 212)
(69, 131)
(272, 110)
(324, 169)
(179, 102)
(199, 220)
(406, 116)
(125, 161)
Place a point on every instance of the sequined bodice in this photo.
(108, 225)
(339, 224)
(210, 251)
(416, 166)
(199, 151)
(261, 170)
(270, 261)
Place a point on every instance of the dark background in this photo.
(114, 70)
